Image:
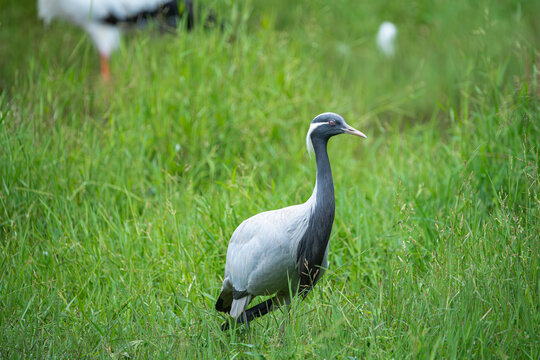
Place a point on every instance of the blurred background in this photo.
(117, 199)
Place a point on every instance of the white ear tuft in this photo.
(309, 143)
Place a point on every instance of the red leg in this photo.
(105, 71)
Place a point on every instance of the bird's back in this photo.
(83, 11)
(262, 251)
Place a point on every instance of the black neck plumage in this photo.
(313, 244)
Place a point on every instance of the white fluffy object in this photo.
(386, 37)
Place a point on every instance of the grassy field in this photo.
(117, 200)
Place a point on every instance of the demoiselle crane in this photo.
(103, 19)
(287, 249)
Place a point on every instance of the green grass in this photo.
(117, 201)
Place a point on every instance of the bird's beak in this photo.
(353, 131)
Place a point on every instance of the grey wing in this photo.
(262, 250)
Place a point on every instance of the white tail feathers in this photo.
(238, 306)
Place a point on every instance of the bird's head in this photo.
(326, 125)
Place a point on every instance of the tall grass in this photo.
(117, 200)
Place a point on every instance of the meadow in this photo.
(117, 200)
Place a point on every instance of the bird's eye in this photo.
(332, 122)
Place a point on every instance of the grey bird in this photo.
(277, 251)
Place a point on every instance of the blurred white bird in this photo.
(386, 37)
(101, 18)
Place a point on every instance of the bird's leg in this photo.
(287, 301)
(247, 325)
(246, 320)
(105, 71)
(253, 312)
(282, 327)
(261, 309)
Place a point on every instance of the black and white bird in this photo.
(103, 19)
(275, 251)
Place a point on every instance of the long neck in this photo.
(312, 246)
(324, 187)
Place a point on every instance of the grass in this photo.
(117, 200)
